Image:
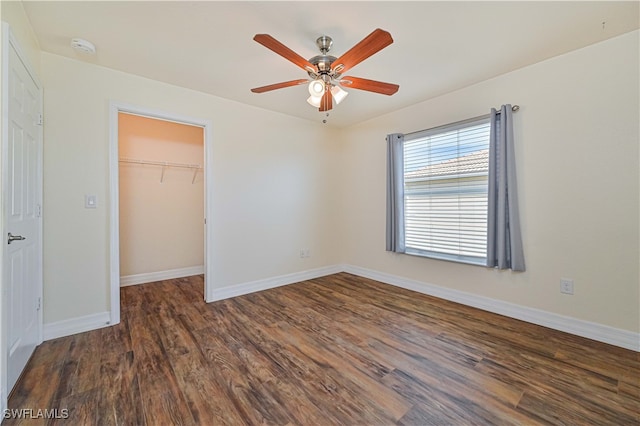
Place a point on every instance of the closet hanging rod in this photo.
(160, 163)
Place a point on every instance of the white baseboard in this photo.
(170, 274)
(599, 332)
(602, 333)
(267, 283)
(76, 325)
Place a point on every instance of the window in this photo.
(445, 191)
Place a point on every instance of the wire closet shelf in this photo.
(165, 165)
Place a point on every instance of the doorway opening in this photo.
(159, 175)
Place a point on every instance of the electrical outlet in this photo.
(305, 252)
(566, 285)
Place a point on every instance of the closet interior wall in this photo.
(161, 179)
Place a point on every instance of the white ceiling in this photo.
(438, 46)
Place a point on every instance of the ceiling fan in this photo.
(326, 71)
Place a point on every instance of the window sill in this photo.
(468, 260)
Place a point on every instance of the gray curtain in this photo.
(395, 193)
(504, 242)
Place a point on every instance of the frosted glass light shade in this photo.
(315, 101)
(338, 94)
(316, 88)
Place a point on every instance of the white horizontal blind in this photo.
(446, 188)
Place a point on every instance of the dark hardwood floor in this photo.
(334, 350)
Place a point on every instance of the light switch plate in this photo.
(90, 202)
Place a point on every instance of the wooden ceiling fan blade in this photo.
(369, 85)
(279, 85)
(272, 44)
(326, 104)
(371, 44)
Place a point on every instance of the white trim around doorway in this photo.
(114, 195)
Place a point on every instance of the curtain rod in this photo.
(514, 108)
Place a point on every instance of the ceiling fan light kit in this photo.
(325, 71)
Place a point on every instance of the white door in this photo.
(22, 192)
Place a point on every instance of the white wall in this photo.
(272, 191)
(13, 13)
(577, 141)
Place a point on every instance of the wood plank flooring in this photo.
(338, 350)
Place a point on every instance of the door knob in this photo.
(12, 238)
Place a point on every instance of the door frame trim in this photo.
(10, 41)
(114, 194)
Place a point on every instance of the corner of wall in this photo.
(14, 14)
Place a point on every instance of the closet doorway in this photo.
(159, 202)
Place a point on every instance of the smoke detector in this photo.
(83, 46)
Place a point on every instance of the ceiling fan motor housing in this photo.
(323, 62)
